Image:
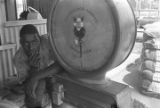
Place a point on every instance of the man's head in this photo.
(29, 38)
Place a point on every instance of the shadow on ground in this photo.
(133, 78)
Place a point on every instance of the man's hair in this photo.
(28, 29)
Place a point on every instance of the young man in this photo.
(34, 63)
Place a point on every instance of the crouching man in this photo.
(34, 63)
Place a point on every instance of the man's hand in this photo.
(48, 72)
(31, 87)
(33, 81)
(34, 59)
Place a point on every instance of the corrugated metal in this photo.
(11, 35)
(1, 70)
(6, 66)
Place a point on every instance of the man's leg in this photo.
(31, 102)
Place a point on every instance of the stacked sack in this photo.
(150, 61)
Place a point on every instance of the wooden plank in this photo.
(10, 63)
(6, 47)
(1, 71)
(12, 38)
(111, 94)
(17, 29)
(41, 29)
(3, 40)
(6, 35)
(45, 29)
(13, 53)
(24, 22)
(11, 10)
(4, 64)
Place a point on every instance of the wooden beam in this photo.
(11, 10)
(23, 22)
(6, 47)
(95, 96)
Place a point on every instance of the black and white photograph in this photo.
(79, 53)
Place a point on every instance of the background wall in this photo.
(2, 17)
(2, 20)
(11, 10)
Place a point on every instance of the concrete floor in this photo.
(128, 73)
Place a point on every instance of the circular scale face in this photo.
(83, 33)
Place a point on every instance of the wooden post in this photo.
(11, 10)
(158, 9)
(111, 95)
(2, 20)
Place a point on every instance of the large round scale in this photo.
(90, 37)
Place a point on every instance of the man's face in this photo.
(31, 42)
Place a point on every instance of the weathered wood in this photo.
(23, 22)
(6, 47)
(94, 96)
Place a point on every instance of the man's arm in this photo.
(53, 68)
(49, 71)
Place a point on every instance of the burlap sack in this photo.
(153, 30)
(150, 61)
(33, 14)
(149, 54)
(153, 66)
(153, 44)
